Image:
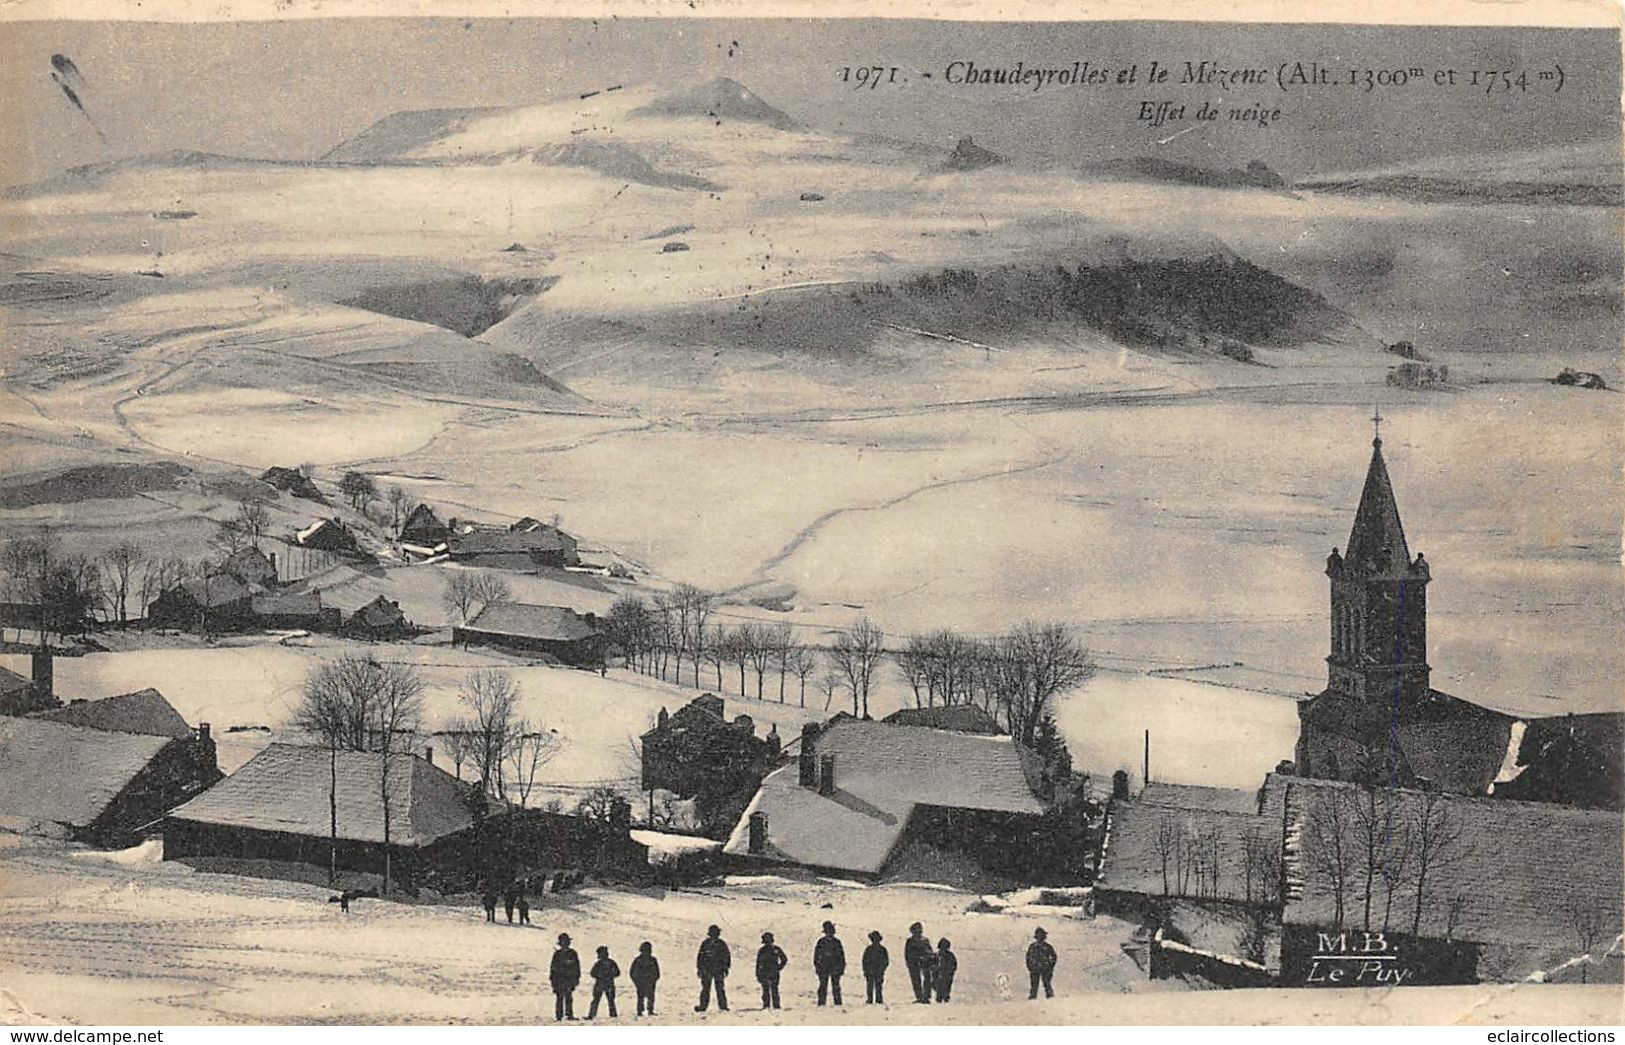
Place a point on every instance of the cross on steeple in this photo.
(1376, 422)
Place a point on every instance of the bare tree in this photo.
(489, 588)
(1435, 838)
(856, 653)
(491, 699)
(359, 489)
(357, 704)
(459, 596)
(914, 661)
(253, 519)
(121, 565)
(458, 738)
(630, 625)
(715, 649)
(829, 684)
(400, 506)
(693, 610)
(1330, 840)
(1261, 865)
(1166, 847)
(530, 750)
(779, 639)
(733, 646)
(1590, 924)
(1029, 667)
(598, 803)
(758, 649)
(803, 662)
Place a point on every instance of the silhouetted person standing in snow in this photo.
(564, 975)
(875, 960)
(942, 976)
(712, 964)
(604, 971)
(489, 902)
(645, 974)
(770, 962)
(1040, 965)
(918, 955)
(508, 902)
(829, 962)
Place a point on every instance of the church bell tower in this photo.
(1379, 602)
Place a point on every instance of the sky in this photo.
(294, 89)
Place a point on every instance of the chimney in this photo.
(44, 675)
(203, 731)
(809, 755)
(758, 834)
(773, 744)
(826, 775)
(428, 753)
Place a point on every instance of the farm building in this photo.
(328, 535)
(557, 631)
(696, 752)
(515, 549)
(861, 790)
(287, 609)
(956, 718)
(1531, 885)
(218, 602)
(381, 618)
(282, 807)
(251, 566)
(293, 481)
(423, 529)
(145, 712)
(96, 785)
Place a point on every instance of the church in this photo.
(1379, 721)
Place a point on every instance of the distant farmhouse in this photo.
(101, 771)
(299, 811)
(515, 549)
(217, 602)
(423, 531)
(328, 535)
(519, 627)
(697, 753)
(379, 620)
(293, 481)
(1379, 721)
(860, 791)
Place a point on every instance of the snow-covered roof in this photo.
(53, 774)
(883, 772)
(524, 620)
(144, 711)
(1516, 873)
(11, 682)
(288, 788)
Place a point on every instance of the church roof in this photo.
(1377, 542)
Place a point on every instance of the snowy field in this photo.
(100, 940)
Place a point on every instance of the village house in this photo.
(294, 482)
(556, 631)
(697, 753)
(251, 566)
(524, 549)
(300, 811)
(132, 759)
(423, 532)
(287, 609)
(1380, 721)
(217, 602)
(861, 792)
(379, 620)
(328, 535)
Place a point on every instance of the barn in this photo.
(557, 631)
(542, 545)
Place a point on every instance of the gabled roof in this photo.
(287, 788)
(54, 775)
(422, 518)
(1194, 796)
(1514, 875)
(1377, 542)
(1454, 743)
(491, 542)
(286, 604)
(215, 590)
(957, 718)
(883, 773)
(379, 613)
(524, 620)
(144, 711)
(249, 564)
(1151, 834)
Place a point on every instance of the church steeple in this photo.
(1377, 542)
(1378, 601)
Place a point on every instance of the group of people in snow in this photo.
(931, 971)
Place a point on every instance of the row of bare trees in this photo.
(54, 591)
(1015, 677)
(1370, 844)
(468, 593)
(1194, 860)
